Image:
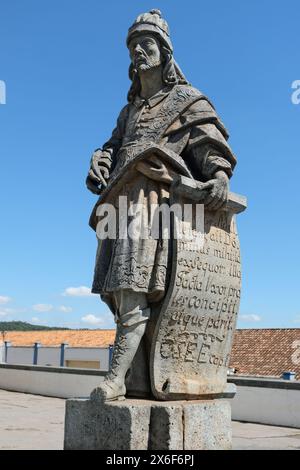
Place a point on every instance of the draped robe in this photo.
(182, 120)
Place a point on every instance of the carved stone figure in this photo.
(175, 305)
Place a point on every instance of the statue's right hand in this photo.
(98, 173)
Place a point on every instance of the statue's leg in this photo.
(131, 318)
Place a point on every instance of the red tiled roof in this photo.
(75, 338)
(268, 352)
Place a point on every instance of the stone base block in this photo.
(135, 424)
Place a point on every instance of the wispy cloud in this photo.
(250, 318)
(42, 307)
(11, 311)
(69, 324)
(92, 320)
(3, 313)
(14, 310)
(38, 320)
(297, 319)
(65, 309)
(4, 299)
(81, 291)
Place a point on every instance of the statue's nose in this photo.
(138, 50)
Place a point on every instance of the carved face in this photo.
(144, 51)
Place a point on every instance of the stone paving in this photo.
(31, 421)
(36, 422)
(250, 436)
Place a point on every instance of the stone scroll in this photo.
(194, 332)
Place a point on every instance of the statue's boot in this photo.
(130, 330)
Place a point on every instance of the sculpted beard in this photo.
(146, 63)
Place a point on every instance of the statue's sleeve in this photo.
(206, 150)
(111, 147)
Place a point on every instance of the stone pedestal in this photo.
(135, 424)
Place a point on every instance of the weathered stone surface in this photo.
(117, 425)
(147, 424)
(193, 337)
(207, 425)
(166, 428)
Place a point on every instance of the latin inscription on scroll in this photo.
(197, 324)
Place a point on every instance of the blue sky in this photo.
(65, 66)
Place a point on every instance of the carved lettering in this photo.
(202, 265)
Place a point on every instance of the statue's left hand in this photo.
(217, 190)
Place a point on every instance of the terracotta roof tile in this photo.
(75, 338)
(268, 352)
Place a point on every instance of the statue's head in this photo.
(150, 46)
(145, 52)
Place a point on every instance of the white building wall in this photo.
(2, 352)
(266, 405)
(49, 356)
(89, 354)
(20, 355)
(51, 384)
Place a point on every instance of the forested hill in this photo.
(24, 326)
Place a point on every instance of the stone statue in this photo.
(175, 306)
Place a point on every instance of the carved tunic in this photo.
(182, 120)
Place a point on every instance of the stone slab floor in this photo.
(36, 422)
